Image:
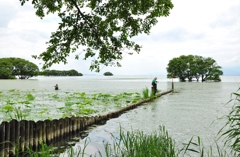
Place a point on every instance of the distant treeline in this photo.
(12, 68)
(60, 73)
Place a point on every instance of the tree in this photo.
(103, 28)
(61, 73)
(108, 74)
(21, 68)
(6, 69)
(190, 67)
(72, 73)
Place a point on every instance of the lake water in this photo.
(194, 109)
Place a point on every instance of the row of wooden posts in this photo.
(25, 134)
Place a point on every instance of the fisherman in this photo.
(154, 85)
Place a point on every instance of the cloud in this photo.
(200, 27)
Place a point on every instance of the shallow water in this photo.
(194, 109)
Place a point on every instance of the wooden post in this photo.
(71, 125)
(17, 132)
(39, 133)
(27, 131)
(54, 130)
(35, 136)
(44, 134)
(78, 124)
(49, 132)
(2, 138)
(172, 82)
(31, 133)
(22, 136)
(61, 128)
(58, 123)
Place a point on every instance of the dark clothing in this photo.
(154, 86)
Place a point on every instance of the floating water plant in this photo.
(8, 108)
(30, 97)
(62, 104)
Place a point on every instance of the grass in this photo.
(138, 144)
(231, 130)
(145, 93)
(134, 144)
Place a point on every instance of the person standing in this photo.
(154, 85)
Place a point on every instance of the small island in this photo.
(108, 74)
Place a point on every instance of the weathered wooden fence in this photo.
(29, 134)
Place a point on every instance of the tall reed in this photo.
(138, 144)
(145, 93)
(231, 130)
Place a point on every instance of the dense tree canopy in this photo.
(61, 73)
(108, 74)
(103, 28)
(194, 67)
(11, 68)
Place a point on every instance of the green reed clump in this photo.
(138, 144)
(145, 93)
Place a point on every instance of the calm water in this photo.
(193, 109)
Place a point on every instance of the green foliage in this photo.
(30, 97)
(231, 130)
(14, 112)
(195, 147)
(8, 108)
(194, 67)
(145, 93)
(108, 74)
(60, 73)
(138, 144)
(104, 29)
(6, 69)
(16, 67)
(35, 105)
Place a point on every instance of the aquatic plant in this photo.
(231, 130)
(145, 93)
(63, 104)
(55, 96)
(14, 112)
(195, 147)
(12, 90)
(30, 96)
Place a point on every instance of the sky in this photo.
(208, 28)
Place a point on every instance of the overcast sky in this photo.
(208, 28)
